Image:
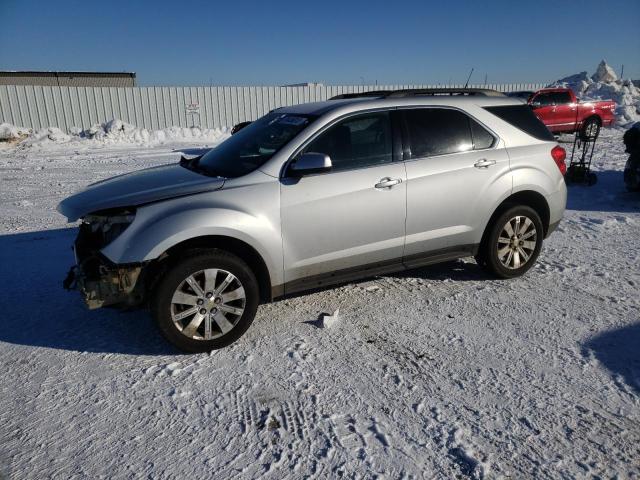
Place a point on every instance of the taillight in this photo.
(559, 155)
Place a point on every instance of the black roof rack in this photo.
(410, 92)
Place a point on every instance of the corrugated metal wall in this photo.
(159, 107)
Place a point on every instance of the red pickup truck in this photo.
(561, 112)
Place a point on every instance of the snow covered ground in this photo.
(435, 373)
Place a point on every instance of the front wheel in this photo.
(513, 242)
(206, 301)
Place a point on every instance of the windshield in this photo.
(252, 146)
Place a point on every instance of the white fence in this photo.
(159, 107)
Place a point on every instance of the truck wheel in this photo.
(206, 301)
(590, 128)
(512, 243)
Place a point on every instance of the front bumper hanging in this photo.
(102, 285)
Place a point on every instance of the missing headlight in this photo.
(99, 229)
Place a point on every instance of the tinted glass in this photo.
(434, 131)
(560, 98)
(481, 137)
(543, 99)
(252, 146)
(522, 117)
(356, 142)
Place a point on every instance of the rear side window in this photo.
(523, 118)
(560, 98)
(434, 131)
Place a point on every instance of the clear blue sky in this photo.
(242, 42)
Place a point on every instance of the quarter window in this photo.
(356, 142)
(437, 131)
(481, 137)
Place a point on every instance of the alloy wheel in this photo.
(208, 304)
(517, 242)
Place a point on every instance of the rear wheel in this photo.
(513, 243)
(206, 301)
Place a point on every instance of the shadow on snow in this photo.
(608, 195)
(38, 312)
(619, 351)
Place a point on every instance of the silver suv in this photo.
(319, 194)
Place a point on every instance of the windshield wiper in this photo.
(193, 164)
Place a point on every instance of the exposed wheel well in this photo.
(527, 197)
(229, 244)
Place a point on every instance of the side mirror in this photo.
(310, 162)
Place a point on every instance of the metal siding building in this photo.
(69, 79)
(37, 106)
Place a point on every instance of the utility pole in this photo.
(622, 72)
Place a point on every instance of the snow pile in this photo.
(112, 132)
(46, 135)
(10, 132)
(117, 131)
(604, 84)
(604, 73)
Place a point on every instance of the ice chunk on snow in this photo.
(327, 321)
(604, 73)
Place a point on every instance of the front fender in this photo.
(160, 226)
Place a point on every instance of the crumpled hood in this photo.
(137, 188)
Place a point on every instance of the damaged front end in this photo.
(101, 282)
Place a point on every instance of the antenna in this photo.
(468, 78)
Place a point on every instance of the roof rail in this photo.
(372, 93)
(410, 92)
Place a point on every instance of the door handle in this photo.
(388, 182)
(484, 163)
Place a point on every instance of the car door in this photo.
(352, 218)
(455, 175)
(565, 110)
(545, 110)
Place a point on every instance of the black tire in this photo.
(488, 257)
(590, 129)
(162, 307)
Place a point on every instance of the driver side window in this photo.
(356, 142)
(543, 99)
